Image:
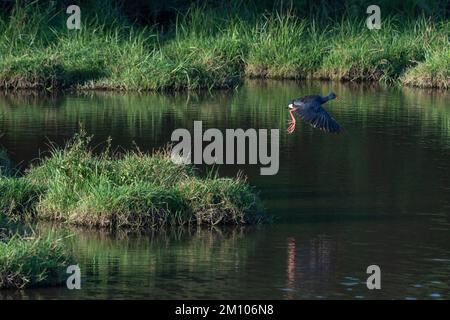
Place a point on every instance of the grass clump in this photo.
(359, 54)
(434, 72)
(18, 196)
(134, 190)
(222, 201)
(32, 261)
(137, 205)
(41, 71)
(283, 47)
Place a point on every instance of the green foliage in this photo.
(134, 190)
(18, 196)
(32, 261)
(209, 47)
(433, 72)
(222, 201)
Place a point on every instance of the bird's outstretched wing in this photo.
(319, 118)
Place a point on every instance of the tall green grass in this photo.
(205, 47)
(31, 261)
(18, 196)
(433, 72)
(133, 190)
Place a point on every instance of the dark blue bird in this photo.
(310, 109)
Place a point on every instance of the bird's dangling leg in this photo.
(292, 123)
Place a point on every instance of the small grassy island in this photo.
(134, 190)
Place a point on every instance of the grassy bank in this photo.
(208, 48)
(133, 190)
(32, 261)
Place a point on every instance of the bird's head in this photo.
(291, 105)
(332, 96)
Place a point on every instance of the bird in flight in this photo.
(310, 110)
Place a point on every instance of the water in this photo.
(378, 194)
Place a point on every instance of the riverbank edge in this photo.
(54, 84)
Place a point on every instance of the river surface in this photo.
(379, 194)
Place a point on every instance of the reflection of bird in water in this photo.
(291, 267)
(310, 267)
(310, 109)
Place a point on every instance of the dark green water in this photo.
(378, 194)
